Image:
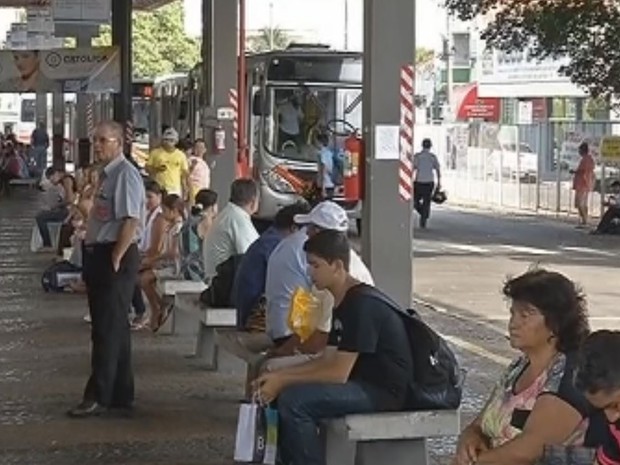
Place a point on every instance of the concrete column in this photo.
(121, 36)
(389, 43)
(58, 130)
(41, 103)
(224, 78)
(83, 155)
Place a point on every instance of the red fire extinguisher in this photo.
(353, 178)
(219, 139)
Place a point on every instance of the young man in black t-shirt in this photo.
(598, 376)
(366, 367)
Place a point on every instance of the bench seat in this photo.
(395, 438)
(28, 182)
(170, 287)
(193, 317)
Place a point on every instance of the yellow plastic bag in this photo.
(303, 314)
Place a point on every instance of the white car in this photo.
(513, 163)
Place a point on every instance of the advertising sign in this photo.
(68, 70)
(518, 75)
(610, 149)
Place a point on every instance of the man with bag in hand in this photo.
(367, 366)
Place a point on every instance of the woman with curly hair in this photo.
(535, 403)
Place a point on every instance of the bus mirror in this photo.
(258, 105)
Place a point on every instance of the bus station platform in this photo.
(183, 415)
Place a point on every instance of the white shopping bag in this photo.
(36, 241)
(257, 435)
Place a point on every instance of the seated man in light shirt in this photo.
(232, 231)
(287, 271)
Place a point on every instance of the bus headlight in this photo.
(277, 182)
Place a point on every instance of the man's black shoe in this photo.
(87, 409)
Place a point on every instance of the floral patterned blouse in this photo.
(506, 412)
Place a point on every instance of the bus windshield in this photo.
(299, 113)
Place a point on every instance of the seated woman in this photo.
(59, 212)
(83, 202)
(161, 258)
(154, 196)
(534, 403)
(194, 231)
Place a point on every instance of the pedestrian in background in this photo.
(111, 260)
(425, 166)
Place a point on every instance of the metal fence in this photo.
(523, 167)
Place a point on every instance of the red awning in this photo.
(469, 106)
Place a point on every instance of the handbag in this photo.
(257, 434)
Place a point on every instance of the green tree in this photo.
(267, 39)
(424, 60)
(586, 32)
(159, 43)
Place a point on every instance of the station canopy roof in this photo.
(137, 4)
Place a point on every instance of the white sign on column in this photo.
(89, 11)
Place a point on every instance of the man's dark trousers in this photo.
(109, 300)
(422, 198)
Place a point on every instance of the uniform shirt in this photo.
(372, 329)
(289, 118)
(287, 271)
(120, 195)
(176, 166)
(327, 162)
(424, 164)
(231, 234)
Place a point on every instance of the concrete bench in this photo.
(396, 438)
(192, 317)
(32, 183)
(168, 288)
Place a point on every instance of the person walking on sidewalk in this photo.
(111, 261)
(583, 183)
(425, 165)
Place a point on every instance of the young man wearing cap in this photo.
(168, 166)
(287, 271)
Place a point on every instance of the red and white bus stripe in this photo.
(407, 120)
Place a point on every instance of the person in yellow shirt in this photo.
(168, 166)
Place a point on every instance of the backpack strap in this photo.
(371, 291)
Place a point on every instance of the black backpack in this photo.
(437, 378)
(58, 276)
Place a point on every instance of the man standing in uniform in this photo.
(111, 261)
(425, 165)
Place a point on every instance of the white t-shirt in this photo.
(231, 234)
(289, 118)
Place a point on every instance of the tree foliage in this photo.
(586, 32)
(424, 60)
(267, 39)
(160, 45)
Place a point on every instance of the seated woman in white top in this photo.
(161, 258)
(153, 209)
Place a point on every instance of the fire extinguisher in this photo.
(353, 178)
(219, 139)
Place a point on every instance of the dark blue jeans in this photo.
(302, 407)
(56, 215)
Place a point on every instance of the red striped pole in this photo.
(234, 103)
(407, 120)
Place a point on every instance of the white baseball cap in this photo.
(326, 215)
(171, 135)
